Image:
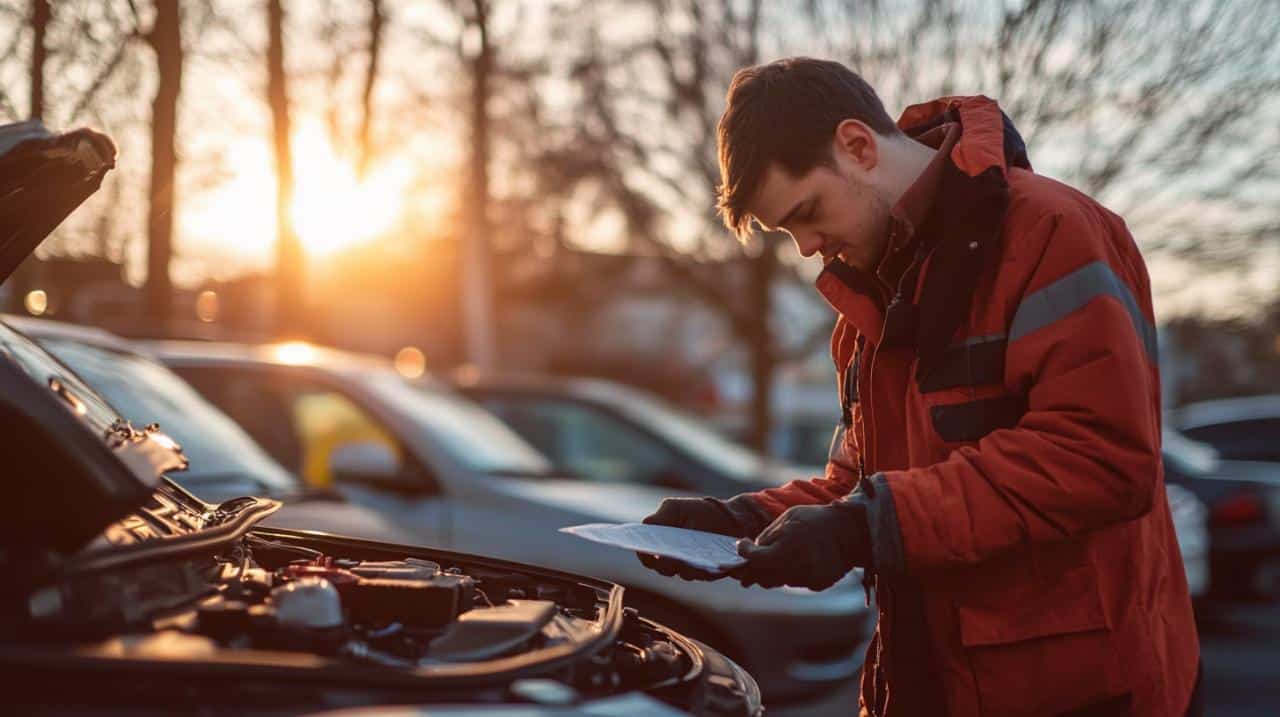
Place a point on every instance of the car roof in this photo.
(42, 329)
(1228, 410)
(283, 353)
(581, 387)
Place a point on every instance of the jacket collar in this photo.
(952, 214)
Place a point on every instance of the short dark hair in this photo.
(787, 112)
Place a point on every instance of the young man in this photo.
(997, 466)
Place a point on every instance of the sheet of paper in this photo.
(711, 552)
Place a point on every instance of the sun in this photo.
(332, 209)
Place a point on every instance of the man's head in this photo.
(807, 147)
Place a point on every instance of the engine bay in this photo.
(269, 601)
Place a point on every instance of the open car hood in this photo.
(72, 465)
(43, 178)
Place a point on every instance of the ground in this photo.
(1240, 646)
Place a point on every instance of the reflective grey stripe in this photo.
(1055, 301)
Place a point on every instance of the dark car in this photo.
(611, 433)
(1241, 429)
(126, 594)
(1244, 519)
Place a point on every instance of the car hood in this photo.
(43, 178)
(72, 464)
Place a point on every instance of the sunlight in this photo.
(332, 210)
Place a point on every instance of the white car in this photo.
(444, 467)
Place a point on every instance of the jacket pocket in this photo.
(1039, 645)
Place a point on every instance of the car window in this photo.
(688, 434)
(1250, 440)
(302, 423)
(143, 391)
(588, 442)
(459, 426)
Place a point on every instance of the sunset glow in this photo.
(332, 209)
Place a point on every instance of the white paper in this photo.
(711, 552)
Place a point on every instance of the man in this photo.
(997, 466)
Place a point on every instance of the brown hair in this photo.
(787, 112)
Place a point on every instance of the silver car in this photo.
(444, 467)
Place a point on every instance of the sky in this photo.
(226, 222)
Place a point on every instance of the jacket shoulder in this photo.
(1044, 211)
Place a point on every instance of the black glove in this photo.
(809, 546)
(708, 514)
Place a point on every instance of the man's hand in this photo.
(809, 546)
(706, 514)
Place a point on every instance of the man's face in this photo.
(838, 210)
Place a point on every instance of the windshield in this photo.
(685, 432)
(468, 433)
(143, 391)
(42, 367)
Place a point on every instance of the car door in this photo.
(324, 435)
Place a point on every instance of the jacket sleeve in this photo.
(1086, 454)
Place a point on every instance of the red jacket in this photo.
(1002, 421)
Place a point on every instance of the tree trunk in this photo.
(166, 39)
(289, 257)
(377, 20)
(760, 340)
(41, 16)
(477, 299)
(27, 276)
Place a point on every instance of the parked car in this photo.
(607, 432)
(419, 451)
(126, 594)
(1244, 518)
(225, 462)
(1244, 429)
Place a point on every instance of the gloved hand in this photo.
(809, 546)
(708, 514)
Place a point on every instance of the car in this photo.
(418, 450)
(225, 461)
(1241, 429)
(608, 432)
(1244, 518)
(126, 594)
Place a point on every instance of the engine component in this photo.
(407, 569)
(432, 602)
(482, 634)
(221, 618)
(308, 603)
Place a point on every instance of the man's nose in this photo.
(809, 243)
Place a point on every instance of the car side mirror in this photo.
(368, 463)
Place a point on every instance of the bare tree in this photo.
(289, 258)
(377, 24)
(645, 135)
(165, 39)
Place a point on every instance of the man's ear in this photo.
(857, 144)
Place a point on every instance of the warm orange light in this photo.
(410, 362)
(37, 302)
(295, 353)
(332, 209)
(207, 306)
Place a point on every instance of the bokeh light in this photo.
(411, 362)
(207, 306)
(37, 302)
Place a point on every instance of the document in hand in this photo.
(711, 552)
